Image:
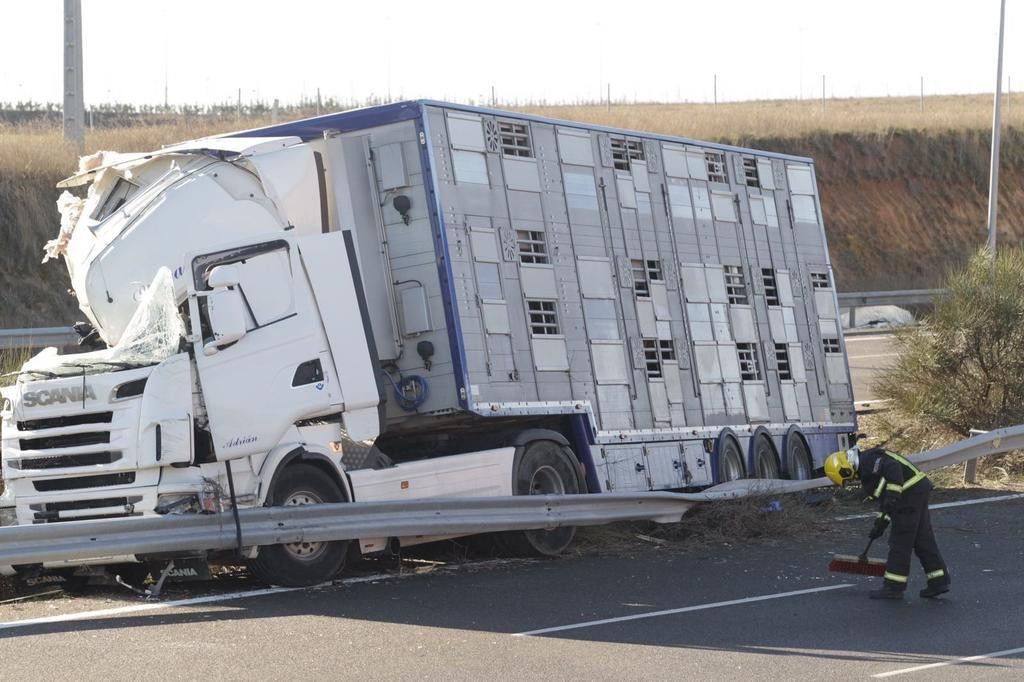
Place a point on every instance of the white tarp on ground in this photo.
(878, 316)
(152, 335)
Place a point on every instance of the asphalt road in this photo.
(755, 610)
(869, 354)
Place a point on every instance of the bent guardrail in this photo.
(78, 540)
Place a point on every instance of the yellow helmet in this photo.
(841, 467)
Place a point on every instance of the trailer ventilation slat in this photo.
(102, 481)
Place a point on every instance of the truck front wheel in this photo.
(543, 468)
(301, 564)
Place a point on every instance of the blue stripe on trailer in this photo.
(444, 265)
(343, 122)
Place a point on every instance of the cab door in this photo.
(260, 350)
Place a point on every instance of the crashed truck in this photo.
(426, 299)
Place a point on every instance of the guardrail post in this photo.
(853, 317)
(971, 465)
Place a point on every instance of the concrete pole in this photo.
(716, 90)
(74, 98)
(993, 175)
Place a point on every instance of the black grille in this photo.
(68, 440)
(73, 505)
(72, 420)
(126, 478)
(61, 461)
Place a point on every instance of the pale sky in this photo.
(526, 49)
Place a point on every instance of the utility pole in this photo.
(716, 90)
(74, 98)
(993, 174)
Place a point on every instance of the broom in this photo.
(857, 565)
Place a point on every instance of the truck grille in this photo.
(75, 505)
(72, 420)
(104, 480)
(68, 440)
(64, 461)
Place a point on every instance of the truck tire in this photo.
(730, 461)
(766, 464)
(798, 458)
(301, 564)
(543, 468)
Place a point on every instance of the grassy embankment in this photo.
(903, 191)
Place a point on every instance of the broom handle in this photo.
(864, 555)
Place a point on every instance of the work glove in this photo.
(878, 529)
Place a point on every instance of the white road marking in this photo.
(943, 505)
(685, 609)
(873, 337)
(209, 599)
(873, 355)
(952, 661)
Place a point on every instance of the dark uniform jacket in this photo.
(891, 479)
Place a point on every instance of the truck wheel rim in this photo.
(733, 470)
(304, 551)
(546, 481)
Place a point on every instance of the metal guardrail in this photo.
(78, 540)
(38, 337)
(855, 299)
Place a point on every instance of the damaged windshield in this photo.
(152, 335)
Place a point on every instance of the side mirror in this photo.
(227, 317)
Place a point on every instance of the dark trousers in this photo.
(912, 532)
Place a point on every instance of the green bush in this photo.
(962, 368)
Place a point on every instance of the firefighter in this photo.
(902, 491)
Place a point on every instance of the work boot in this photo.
(887, 591)
(936, 587)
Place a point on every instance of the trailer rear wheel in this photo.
(730, 461)
(300, 564)
(766, 464)
(798, 458)
(543, 468)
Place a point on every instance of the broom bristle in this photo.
(842, 563)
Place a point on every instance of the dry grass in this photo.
(737, 121)
(39, 149)
(756, 518)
